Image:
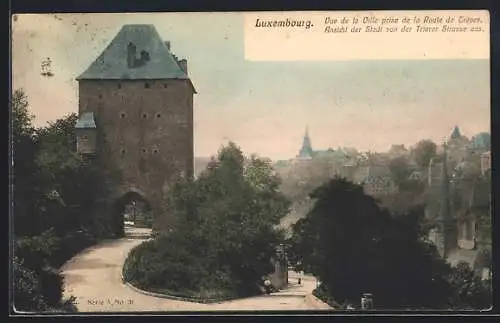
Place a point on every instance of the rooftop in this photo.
(142, 42)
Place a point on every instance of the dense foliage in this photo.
(52, 219)
(225, 233)
(471, 292)
(353, 246)
(423, 152)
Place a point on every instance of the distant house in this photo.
(485, 162)
(379, 185)
(279, 277)
(481, 142)
(435, 172)
(362, 172)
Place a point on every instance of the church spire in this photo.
(306, 151)
(456, 133)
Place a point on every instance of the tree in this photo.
(423, 152)
(52, 218)
(353, 246)
(399, 170)
(226, 218)
(27, 291)
(24, 170)
(470, 291)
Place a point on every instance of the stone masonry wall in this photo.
(145, 129)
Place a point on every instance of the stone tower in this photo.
(447, 227)
(306, 151)
(140, 98)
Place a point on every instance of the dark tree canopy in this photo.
(52, 219)
(227, 217)
(423, 152)
(399, 169)
(354, 247)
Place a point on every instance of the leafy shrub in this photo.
(386, 255)
(225, 233)
(166, 264)
(71, 244)
(51, 284)
(471, 292)
(323, 294)
(27, 290)
(36, 251)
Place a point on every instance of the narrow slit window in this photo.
(158, 115)
(147, 85)
(122, 115)
(122, 152)
(119, 85)
(144, 115)
(143, 150)
(156, 151)
(165, 85)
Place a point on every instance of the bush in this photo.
(52, 285)
(386, 255)
(27, 290)
(36, 251)
(470, 291)
(166, 265)
(38, 286)
(70, 245)
(224, 237)
(323, 294)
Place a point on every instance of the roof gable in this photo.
(112, 63)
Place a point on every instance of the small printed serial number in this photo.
(110, 301)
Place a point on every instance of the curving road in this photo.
(94, 278)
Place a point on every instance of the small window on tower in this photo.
(85, 137)
(119, 85)
(147, 85)
(100, 96)
(144, 115)
(156, 151)
(122, 152)
(122, 115)
(143, 150)
(165, 85)
(158, 115)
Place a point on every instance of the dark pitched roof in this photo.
(456, 133)
(112, 63)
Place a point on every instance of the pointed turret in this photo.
(456, 133)
(306, 151)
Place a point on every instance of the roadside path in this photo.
(94, 278)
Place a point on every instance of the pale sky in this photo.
(262, 106)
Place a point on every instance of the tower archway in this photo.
(131, 208)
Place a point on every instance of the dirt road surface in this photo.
(94, 278)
